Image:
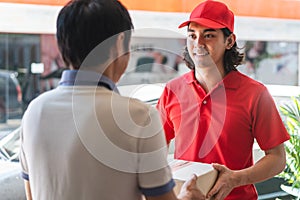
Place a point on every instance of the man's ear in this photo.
(120, 44)
(117, 49)
(230, 40)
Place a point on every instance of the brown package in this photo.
(183, 171)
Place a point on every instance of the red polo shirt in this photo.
(220, 126)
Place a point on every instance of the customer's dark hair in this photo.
(84, 24)
(232, 56)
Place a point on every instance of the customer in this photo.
(83, 140)
(215, 113)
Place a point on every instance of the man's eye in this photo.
(209, 36)
(192, 36)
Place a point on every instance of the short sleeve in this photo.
(268, 128)
(154, 174)
(167, 124)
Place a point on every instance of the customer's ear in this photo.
(120, 44)
(117, 49)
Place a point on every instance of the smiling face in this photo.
(207, 46)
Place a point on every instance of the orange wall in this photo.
(260, 8)
(40, 2)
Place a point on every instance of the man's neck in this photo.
(107, 70)
(208, 78)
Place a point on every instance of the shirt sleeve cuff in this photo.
(156, 191)
(25, 176)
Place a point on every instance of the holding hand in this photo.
(190, 191)
(225, 183)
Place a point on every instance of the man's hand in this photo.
(190, 191)
(225, 183)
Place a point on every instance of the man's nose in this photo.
(200, 41)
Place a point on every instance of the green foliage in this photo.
(291, 114)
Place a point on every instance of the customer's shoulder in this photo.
(135, 104)
(45, 96)
(138, 110)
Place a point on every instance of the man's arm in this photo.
(270, 165)
(27, 190)
(267, 167)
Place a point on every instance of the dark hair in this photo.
(232, 56)
(187, 59)
(84, 24)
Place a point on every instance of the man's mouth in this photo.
(200, 52)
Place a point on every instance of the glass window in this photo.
(154, 60)
(273, 63)
(27, 65)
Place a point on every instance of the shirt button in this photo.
(204, 102)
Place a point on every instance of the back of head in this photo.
(84, 24)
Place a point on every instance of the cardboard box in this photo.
(183, 171)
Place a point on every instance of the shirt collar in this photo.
(86, 78)
(231, 80)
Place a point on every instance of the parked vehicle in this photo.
(10, 96)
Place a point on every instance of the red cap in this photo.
(212, 14)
